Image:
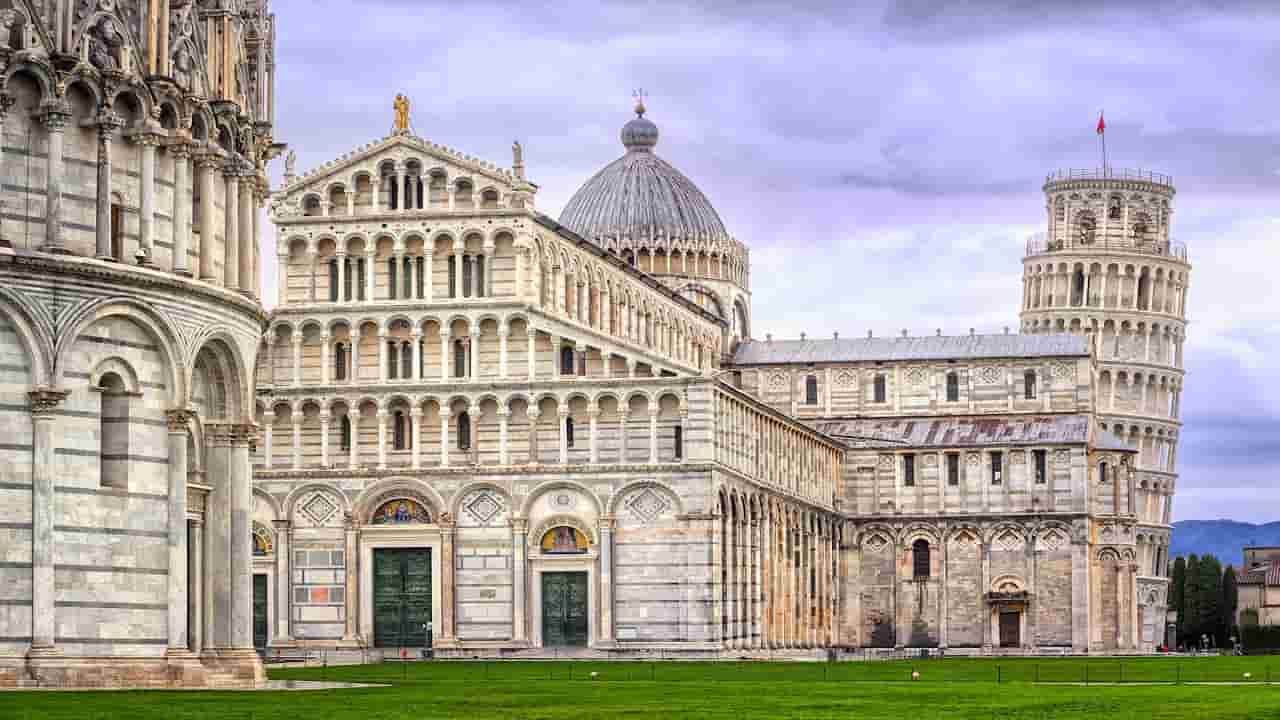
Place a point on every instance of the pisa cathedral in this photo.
(470, 428)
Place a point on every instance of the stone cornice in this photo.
(261, 474)
(45, 264)
(569, 383)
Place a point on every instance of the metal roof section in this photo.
(936, 347)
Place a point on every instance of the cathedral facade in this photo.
(488, 432)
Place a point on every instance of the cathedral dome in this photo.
(640, 195)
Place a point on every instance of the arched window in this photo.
(406, 361)
(391, 278)
(467, 284)
(393, 191)
(1102, 473)
(1113, 209)
(401, 431)
(953, 387)
(421, 279)
(1086, 227)
(333, 280)
(879, 390)
(459, 359)
(566, 360)
(392, 366)
(464, 431)
(678, 432)
(478, 283)
(811, 390)
(568, 431)
(418, 182)
(360, 288)
(113, 432)
(920, 559)
(453, 276)
(1029, 384)
(1077, 288)
(339, 361)
(345, 440)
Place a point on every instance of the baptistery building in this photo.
(134, 145)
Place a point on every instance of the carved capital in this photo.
(445, 519)
(44, 401)
(55, 114)
(218, 434)
(178, 420)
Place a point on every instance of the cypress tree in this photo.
(1230, 601)
(1177, 596)
(1210, 597)
(1190, 627)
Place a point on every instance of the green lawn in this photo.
(954, 688)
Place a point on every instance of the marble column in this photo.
(217, 556)
(205, 166)
(503, 332)
(231, 225)
(533, 414)
(370, 259)
(415, 419)
(428, 284)
(445, 417)
(353, 450)
(54, 114)
(324, 438)
(653, 436)
(519, 631)
(196, 599)
(108, 123)
(593, 419)
(563, 416)
(350, 613)
(415, 340)
(247, 283)
(44, 426)
(382, 355)
(445, 359)
(148, 141)
(447, 589)
(241, 539)
(473, 355)
(382, 438)
(533, 351)
(284, 581)
(177, 422)
(181, 214)
(324, 357)
(606, 580)
(268, 436)
(504, 428)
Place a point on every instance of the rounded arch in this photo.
(148, 319)
(527, 505)
(616, 498)
(290, 503)
(393, 488)
(277, 512)
(31, 333)
(545, 525)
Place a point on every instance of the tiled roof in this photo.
(1266, 573)
(929, 347)
(959, 432)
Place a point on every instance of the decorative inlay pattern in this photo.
(319, 509)
(647, 505)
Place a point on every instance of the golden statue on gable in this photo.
(402, 113)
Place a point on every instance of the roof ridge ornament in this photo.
(401, 106)
(639, 94)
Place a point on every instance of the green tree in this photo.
(1177, 595)
(1210, 591)
(1190, 627)
(1230, 601)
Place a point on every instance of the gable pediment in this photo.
(400, 149)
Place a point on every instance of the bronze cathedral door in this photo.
(401, 597)
(564, 609)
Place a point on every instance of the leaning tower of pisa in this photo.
(1108, 267)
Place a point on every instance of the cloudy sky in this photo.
(882, 161)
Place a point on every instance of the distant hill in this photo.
(1223, 539)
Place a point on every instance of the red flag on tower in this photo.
(1102, 138)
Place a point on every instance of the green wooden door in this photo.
(401, 597)
(564, 609)
(260, 630)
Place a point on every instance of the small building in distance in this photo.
(1258, 583)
